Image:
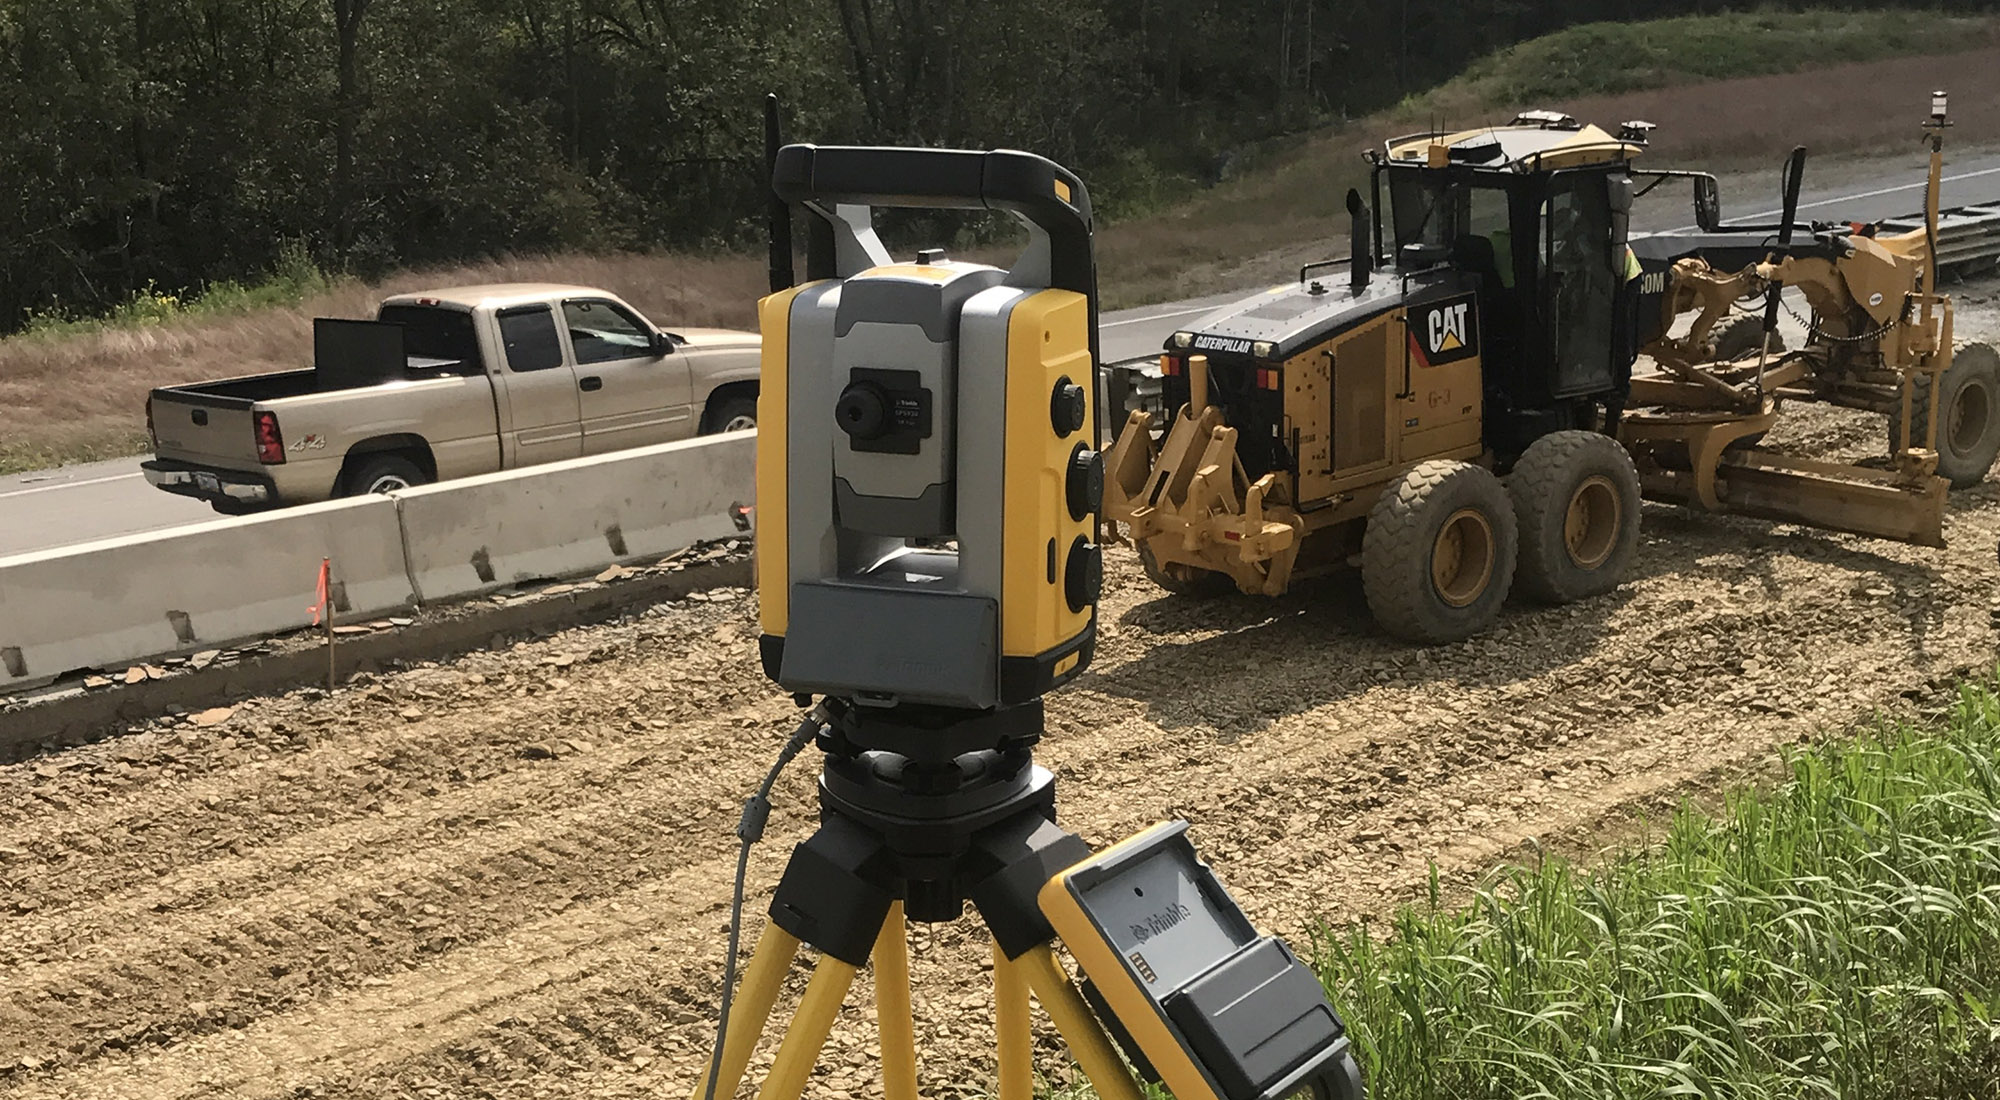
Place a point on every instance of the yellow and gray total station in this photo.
(927, 486)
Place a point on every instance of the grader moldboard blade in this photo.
(1904, 504)
(1886, 504)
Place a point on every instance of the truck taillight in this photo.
(151, 433)
(270, 441)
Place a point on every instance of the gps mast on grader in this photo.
(1323, 425)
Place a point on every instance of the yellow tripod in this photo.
(914, 837)
(1198, 999)
(1036, 970)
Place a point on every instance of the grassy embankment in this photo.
(1837, 936)
(1725, 89)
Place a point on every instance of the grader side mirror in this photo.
(1707, 204)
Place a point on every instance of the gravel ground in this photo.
(507, 875)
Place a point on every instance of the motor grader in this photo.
(1459, 415)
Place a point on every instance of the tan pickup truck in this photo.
(444, 384)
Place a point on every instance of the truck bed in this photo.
(213, 422)
(245, 391)
(230, 393)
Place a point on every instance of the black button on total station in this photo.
(1083, 574)
(1084, 481)
(1067, 407)
(862, 411)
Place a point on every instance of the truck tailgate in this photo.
(204, 429)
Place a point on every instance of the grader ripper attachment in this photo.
(1191, 492)
(1316, 426)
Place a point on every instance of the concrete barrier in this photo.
(476, 534)
(110, 603)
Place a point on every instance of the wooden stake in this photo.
(327, 566)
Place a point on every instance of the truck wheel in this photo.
(1968, 436)
(732, 414)
(1576, 503)
(1181, 579)
(384, 474)
(1438, 555)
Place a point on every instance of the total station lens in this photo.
(862, 411)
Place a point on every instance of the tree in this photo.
(347, 17)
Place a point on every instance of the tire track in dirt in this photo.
(290, 784)
(536, 863)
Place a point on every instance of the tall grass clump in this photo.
(293, 279)
(1836, 937)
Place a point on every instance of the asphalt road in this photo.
(95, 500)
(75, 504)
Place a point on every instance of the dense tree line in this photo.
(175, 142)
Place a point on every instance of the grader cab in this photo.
(1467, 418)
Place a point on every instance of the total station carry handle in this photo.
(1044, 193)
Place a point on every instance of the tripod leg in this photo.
(1087, 1041)
(1010, 1013)
(811, 1024)
(776, 948)
(893, 1015)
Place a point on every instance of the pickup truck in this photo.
(444, 384)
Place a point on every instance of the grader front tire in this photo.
(1438, 555)
(1741, 337)
(1576, 501)
(1968, 438)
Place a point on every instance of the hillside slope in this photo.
(80, 394)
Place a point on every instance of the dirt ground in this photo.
(507, 875)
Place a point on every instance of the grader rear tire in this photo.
(1438, 555)
(1183, 580)
(1576, 500)
(1969, 408)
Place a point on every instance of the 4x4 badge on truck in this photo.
(310, 443)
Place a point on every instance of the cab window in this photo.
(600, 332)
(436, 338)
(1420, 202)
(529, 335)
(1488, 219)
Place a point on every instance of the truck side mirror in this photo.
(662, 344)
(1707, 204)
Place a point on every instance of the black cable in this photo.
(750, 829)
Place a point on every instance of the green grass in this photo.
(1609, 58)
(1836, 937)
(295, 278)
(20, 459)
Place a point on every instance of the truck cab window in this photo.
(529, 335)
(436, 338)
(600, 332)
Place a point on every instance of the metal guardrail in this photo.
(1968, 236)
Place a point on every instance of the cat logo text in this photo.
(1445, 331)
